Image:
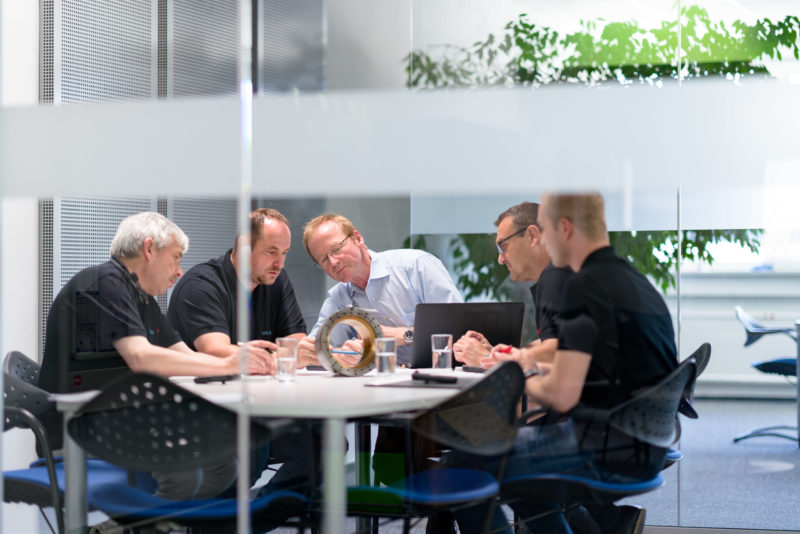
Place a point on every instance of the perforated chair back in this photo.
(24, 396)
(18, 365)
(145, 422)
(24, 406)
(701, 357)
(650, 415)
(481, 419)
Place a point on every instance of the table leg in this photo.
(75, 499)
(363, 466)
(334, 484)
(797, 331)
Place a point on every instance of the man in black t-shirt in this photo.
(615, 327)
(520, 249)
(203, 310)
(615, 336)
(109, 308)
(203, 307)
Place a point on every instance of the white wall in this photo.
(19, 290)
(19, 86)
(19, 52)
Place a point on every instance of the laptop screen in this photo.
(500, 322)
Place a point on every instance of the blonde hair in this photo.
(345, 225)
(585, 211)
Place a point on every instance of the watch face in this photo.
(408, 335)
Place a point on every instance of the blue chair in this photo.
(650, 417)
(146, 423)
(42, 483)
(480, 420)
(786, 367)
(38, 484)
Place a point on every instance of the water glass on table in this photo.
(287, 358)
(442, 351)
(386, 355)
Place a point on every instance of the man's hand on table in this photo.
(502, 353)
(470, 348)
(261, 358)
(306, 352)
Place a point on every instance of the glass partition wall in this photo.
(421, 122)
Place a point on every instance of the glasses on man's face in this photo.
(332, 253)
(501, 245)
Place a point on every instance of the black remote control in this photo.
(434, 378)
(216, 378)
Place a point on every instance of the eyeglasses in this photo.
(334, 252)
(500, 244)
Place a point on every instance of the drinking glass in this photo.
(442, 351)
(287, 358)
(386, 355)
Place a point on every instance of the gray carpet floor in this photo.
(752, 484)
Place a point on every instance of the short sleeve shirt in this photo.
(204, 301)
(547, 293)
(98, 306)
(611, 311)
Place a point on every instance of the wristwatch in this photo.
(408, 336)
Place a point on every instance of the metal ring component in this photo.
(368, 331)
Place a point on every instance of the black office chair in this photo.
(38, 485)
(21, 367)
(649, 417)
(24, 369)
(145, 422)
(42, 483)
(480, 420)
(701, 357)
(785, 366)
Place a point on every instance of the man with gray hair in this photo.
(107, 311)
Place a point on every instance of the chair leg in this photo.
(770, 431)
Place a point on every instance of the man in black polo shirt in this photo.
(203, 305)
(203, 311)
(109, 308)
(520, 249)
(614, 330)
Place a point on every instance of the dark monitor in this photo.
(500, 322)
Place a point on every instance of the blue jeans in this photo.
(538, 449)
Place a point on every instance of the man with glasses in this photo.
(391, 282)
(521, 250)
(615, 338)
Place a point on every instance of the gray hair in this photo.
(135, 229)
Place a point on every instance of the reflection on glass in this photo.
(534, 49)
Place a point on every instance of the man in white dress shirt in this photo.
(391, 282)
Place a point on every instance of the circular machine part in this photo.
(368, 330)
